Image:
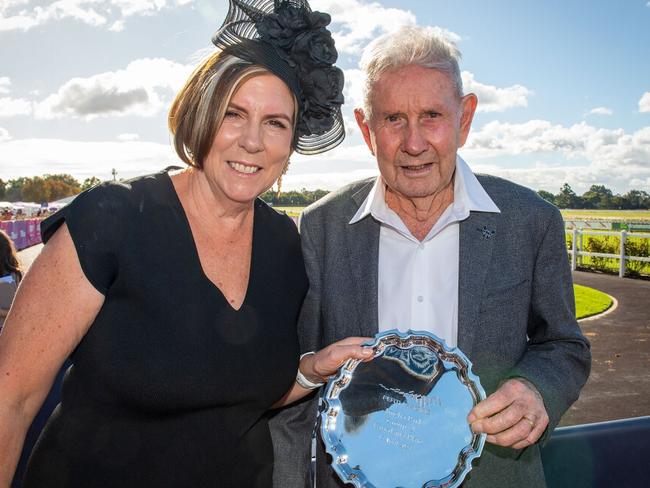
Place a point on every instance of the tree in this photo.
(90, 182)
(598, 196)
(60, 186)
(567, 198)
(547, 195)
(34, 190)
(14, 189)
(43, 189)
(2, 189)
(636, 199)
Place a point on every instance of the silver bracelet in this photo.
(302, 380)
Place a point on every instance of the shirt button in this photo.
(420, 298)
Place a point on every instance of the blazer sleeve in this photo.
(558, 358)
(292, 426)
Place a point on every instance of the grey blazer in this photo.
(516, 316)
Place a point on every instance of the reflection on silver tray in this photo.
(400, 419)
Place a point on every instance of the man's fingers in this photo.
(501, 421)
(516, 434)
(513, 416)
(493, 404)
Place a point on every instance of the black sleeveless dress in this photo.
(170, 386)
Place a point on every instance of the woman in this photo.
(177, 295)
(10, 274)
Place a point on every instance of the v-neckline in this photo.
(195, 249)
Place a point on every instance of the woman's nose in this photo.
(251, 138)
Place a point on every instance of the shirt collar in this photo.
(469, 196)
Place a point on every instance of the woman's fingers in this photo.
(327, 361)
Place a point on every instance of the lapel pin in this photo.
(487, 233)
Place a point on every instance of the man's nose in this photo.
(251, 137)
(414, 141)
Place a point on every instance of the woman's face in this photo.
(253, 144)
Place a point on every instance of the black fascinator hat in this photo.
(291, 41)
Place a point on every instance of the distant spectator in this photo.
(10, 274)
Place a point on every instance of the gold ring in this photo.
(530, 421)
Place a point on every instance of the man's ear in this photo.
(360, 117)
(468, 107)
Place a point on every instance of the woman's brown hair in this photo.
(199, 108)
(8, 257)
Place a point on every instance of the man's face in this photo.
(418, 123)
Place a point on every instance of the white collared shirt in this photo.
(418, 281)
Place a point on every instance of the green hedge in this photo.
(634, 246)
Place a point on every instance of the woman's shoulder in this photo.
(125, 192)
(279, 223)
(107, 204)
(276, 217)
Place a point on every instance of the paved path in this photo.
(619, 385)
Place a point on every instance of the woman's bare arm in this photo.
(53, 308)
(325, 363)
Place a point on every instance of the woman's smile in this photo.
(244, 168)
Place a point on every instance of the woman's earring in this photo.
(279, 182)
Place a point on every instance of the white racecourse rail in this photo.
(576, 247)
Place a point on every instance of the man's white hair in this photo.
(422, 46)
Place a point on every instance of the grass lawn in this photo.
(590, 302)
(630, 215)
(290, 211)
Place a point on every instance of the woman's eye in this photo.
(278, 123)
(231, 114)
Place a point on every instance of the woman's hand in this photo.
(318, 367)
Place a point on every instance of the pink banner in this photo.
(24, 233)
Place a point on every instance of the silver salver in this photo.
(400, 420)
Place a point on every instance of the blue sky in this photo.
(563, 87)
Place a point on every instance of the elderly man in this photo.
(477, 260)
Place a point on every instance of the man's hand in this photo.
(513, 416)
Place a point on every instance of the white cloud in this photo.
(351, 127)
(494, 99)
(361, 21)
(612, 156)
(5, 83)
(580, 178)
(29, 157)
(16, 15)
(118, 26)
(491, 98)
(585, 156)
(127, 137)
(325, 181)
(10, 107)
(600, 111)
(353, 88)
(139, 7)
(4, 135)
(143, 88)
(644, 102)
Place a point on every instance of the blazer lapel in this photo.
(363, 257)
(477, 236)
